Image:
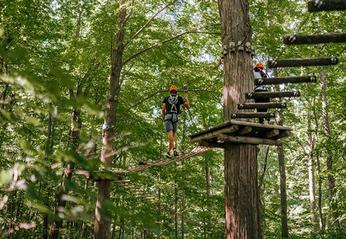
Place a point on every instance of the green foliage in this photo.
(55, 59)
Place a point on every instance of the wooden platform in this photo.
(241, 132)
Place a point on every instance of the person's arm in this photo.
(186, 103)
(164, 108)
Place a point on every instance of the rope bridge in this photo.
(117, 172)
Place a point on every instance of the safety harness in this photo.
(173, 112)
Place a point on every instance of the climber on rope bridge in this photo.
(259, 73)
(170, 110)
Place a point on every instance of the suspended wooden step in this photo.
(252, 115)
(240, 132)
(261, 106)
(267, 95)
(285, 80)
(302, 62)
(326, 5)
(315, 39)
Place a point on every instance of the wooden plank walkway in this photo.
(241, 132)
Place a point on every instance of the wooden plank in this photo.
(272, 133)
(240, 123)
(245, 130)
(215, 133)
(284, 134)
(261, 126)
(253, 115)
(326, 5)
(248, 140)
(286, 80)
(275, 94)
(315, 39)
(210, 144)
(261, 105)
(298, 62)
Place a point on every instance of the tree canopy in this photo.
(55, 67)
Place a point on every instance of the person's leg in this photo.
(175, 127)
(171, 140)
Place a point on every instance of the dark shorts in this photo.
(171, 122)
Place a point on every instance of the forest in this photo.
(82, 136)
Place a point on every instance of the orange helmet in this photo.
(173, 88)
(259, 65)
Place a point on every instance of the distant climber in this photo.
(170, 110)
(259, 73)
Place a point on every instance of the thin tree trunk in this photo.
(320, 210)
(207, 189)
(175, 210)
(333, 218)
(283, 192)
(318, 167)
(67, 174)
(242, 219)
(74, 141)
(283, 185)
(311, 172)
(48, 153)
(102, 222)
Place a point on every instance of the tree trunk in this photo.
(175, 211)
(283, 185)
(283, 193)
(48, 153)
(320, 210)
(207, 189)
(102, 222)
(67, 174)
(328, 134)
(242, 218)
(311, 172)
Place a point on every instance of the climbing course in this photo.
(237, 135)
(82, 143)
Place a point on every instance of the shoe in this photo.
(175, 153)
(168, 155)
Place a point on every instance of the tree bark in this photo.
(240, 160)
(48, 153)
(283, 185)
(283, 192)
(102, 222)
(328, 135)
(207, 190)
(311, 172)
(67, 174)
(74, 134)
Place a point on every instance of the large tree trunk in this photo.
(102, 222)
(328, 134)
(240, 160)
